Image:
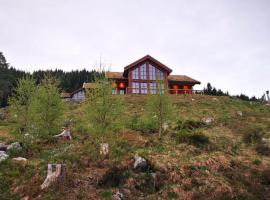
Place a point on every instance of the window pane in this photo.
(143, 71)
(135, 73)
(143, 88)
(160, 75)
(135, 88)
(153, 88)
(152, 72)
(160, 88)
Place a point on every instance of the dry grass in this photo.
(225, 168)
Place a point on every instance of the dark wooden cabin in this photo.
(149, 76)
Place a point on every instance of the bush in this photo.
(197, 138)
(188, 124)
(253, 135)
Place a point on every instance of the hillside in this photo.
(224, 157)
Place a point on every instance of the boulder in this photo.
(3, 147)
(140, 163)
(20, 161)
(14, 147)
(3, 156)
(55, 173)
(208, 120)
(65, 134)
(104, 149)
(118, 196)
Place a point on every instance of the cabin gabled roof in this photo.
(182, 78)
(143, 59)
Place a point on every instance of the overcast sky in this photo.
(225, 42)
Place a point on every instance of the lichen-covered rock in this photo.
(208, 120)
(3, 156)
(104, 149)
(118, 196)
(20, 161)
(14, 147)
(140, 163)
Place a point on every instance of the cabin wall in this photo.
(78, 96)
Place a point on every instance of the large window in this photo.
(147, 78)
(143, 71)
(135, 88)
(135, 73)
(153, 87)
(143, 88)
(152, 72)
(160, 75)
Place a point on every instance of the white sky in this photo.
(224, 42)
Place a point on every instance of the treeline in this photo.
(210, 90)
(68, 81)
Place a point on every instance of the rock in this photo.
(55, 173)
(25, 198)
(104, 149)
(208, 120)
(118, 196)
(64, 135)
(239, 113)
(3, 147)
(3, 156)
(14, 147)
(192, 99)
(140, 163)
(214, 99)
(20, 160)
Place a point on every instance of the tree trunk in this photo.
(55, 173)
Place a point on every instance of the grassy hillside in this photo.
(226, 159)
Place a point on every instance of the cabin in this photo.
(149, 76)
(144, 76)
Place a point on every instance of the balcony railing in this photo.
(130, 90)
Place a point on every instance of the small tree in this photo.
(48, 108)
(20, 103)
(159, 109)
(104, 110)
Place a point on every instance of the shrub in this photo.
(253, 135)
(196, 138)
(188, 124)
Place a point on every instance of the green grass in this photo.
(225, 159)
